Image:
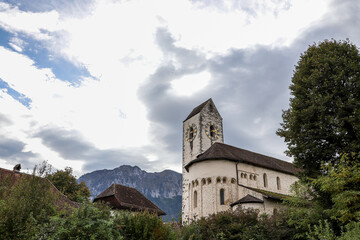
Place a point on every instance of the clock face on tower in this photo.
(191, 132)
(212, 131)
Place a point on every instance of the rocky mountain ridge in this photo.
(163, 188)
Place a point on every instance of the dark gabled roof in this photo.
(123, 197)
(221, 151)
(267, 194)
(62, 201)
(247, 199)
(198, 109)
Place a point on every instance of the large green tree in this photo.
(65, 181)
(323, 120)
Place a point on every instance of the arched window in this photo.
(233, 180)
(275, 211)
(265, 180)
(191, 133)
(209, 180)
(278, 183)
(224, 179)
(212, 131)
(222, 196)
(203, 181)
(195, 199)
(218, 179)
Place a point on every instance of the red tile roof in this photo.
(123, 197)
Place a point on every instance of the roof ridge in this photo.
(198, 109)
(254, 152)
(125, 186)
(127, 198)
(247, 199)
(222, 151)
(265, 192)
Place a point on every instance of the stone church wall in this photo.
(207, 179)
(253, 176)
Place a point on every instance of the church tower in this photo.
(201, 129)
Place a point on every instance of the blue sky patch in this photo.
(62, 68)
(15, 94)
(5, 38)
(63, 6)
(43, 58)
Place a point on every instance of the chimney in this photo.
(17, 168)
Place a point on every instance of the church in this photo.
(218, 177)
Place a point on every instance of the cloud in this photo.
(4, 121)
(246, 85)
(70, 144)
(252, 8)
(38, 25)
(338, 23)
(13, 152)
(65, 7)
(109, 85)
(249, 85)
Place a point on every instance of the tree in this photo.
(26, 203)
(67, 184)
(313, 220)
(342, 183)
(323, 120)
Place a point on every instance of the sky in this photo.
(95, 84)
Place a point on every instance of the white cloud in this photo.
(190, 84)
(116, 43)
(92, 109)
(15, 47)
(37, 25)
(217, 31)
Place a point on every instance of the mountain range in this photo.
(162, 188)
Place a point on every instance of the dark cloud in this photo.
(70, 145)
(246, 85)
(166, 110)
(339, 23)
(12, 151)
(4, 121)
(252, 90)
(189, 61)
(249, 86)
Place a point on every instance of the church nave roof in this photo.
(221, 151)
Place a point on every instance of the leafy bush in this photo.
(143, 226)
(304, 209)
(241, 224)
(65, 182)
(351, 231)
(26, 203)
(322, 231)
(89, 221)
